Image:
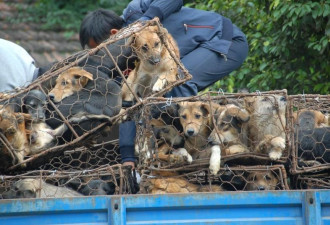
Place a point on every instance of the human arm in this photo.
(148, 9)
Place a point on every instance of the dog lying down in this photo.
(36, 188)
(156, 68)
(262, 181)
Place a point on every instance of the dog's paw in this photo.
(184, 154)
(278, 142)
(159, 85)
(215, 160)
(275, 155)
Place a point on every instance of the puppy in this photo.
(262, 181)
(41, 135)
(69, 82)
(12, 125)
(266, 128)
(197, 124)
(229, 129)
(36, 188)
(313, 138)
(156, 68)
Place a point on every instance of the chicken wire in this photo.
(161, 135)
(106, 180)
(310, 132)
(86, 103)
(313, 181)
(235, 178)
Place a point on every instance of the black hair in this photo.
(97, 25)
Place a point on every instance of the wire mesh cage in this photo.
(310, 132)
(82, 96)
(106, 180)
(242, 128)
(319, 180)
(235, 178)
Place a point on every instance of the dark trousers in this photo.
(206, 67)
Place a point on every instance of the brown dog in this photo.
(262, 180)
(197, 124)
(12, 125)
(266, 128)
(229, 129)
(156, 68)
(69, 82)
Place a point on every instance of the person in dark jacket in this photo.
(211, 47)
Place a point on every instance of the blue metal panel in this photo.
(270, 208)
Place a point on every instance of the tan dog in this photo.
(266, 127)
(262, 180)
(156, 68)
(229, 129)
(197, 124)
(69, 82)
(310, 119)
(36, 188)
(13, 127)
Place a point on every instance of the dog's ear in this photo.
(131, 40)
(80, 74)
(205, 107)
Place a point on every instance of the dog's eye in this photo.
(63, 82)
(184, 117)
(283, 99)
(197, 116)
(265, 99)
(267, 177)
(156, 44)
(145, 48)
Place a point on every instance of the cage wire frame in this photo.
(230, 178)
(306, 102)
(73, 61)
(120, 177)
(148, 153)
(320, 180)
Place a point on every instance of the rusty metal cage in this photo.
(235, 178)
(106, 180)
(319, 180)
(309, 125)
(246, 126)
(78, 98)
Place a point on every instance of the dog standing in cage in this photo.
(265, 131)
(155, 67)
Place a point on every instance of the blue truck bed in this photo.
(278, 207)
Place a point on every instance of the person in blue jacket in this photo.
(211, 47)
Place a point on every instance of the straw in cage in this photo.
(310, 128)
(112, 180)
(239, 178)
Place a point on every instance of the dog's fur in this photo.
(266, 128)
(313, 138)
(36, 188)
(156, 68)
(262, 181)
(12, 125)
(41, 135)
(229, 130)
(197, 124)
(69, 82)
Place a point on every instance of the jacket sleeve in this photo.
(148, 9)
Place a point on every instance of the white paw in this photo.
(278, 142)
(215, 159)
(275, 155)
(159, 85)
(183, 152)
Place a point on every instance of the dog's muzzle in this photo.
(154, 60)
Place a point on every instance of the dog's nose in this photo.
(261, 188)
(154, 60)
(190, 132)
(51, 96)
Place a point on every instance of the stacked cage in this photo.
(214, 142)
(310, 135)
(61, 131)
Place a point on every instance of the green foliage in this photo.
(65, 14)
(289, 44)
